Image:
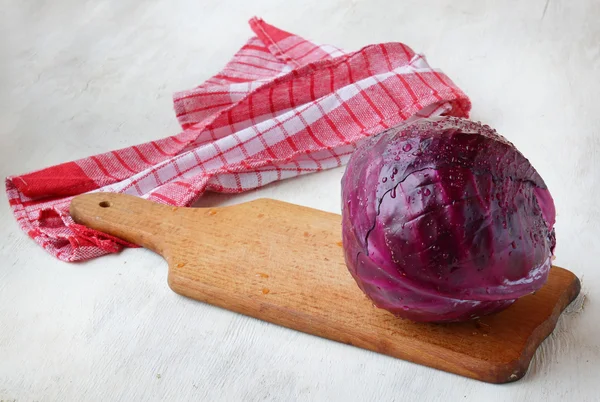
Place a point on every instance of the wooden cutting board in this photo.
(283, 263)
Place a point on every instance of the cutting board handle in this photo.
(133, 219)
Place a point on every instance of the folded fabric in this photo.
(282, 107)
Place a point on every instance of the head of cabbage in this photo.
(445, 220)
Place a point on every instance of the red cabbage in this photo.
(445, 220)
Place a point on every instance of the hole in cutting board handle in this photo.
(104, 204)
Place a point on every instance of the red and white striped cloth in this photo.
(282, 107)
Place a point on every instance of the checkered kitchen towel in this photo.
(282, 107)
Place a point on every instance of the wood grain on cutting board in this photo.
(284, 264)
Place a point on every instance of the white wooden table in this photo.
(82, 77)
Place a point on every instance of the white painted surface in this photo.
(82, 77)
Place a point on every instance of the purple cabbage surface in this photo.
(444, 220)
